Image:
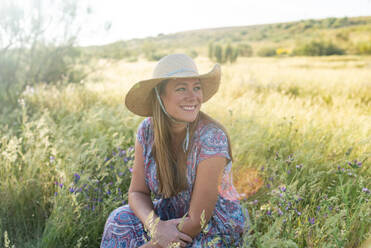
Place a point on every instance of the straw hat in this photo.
(138, 100)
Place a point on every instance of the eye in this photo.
(180, 89)
(197, 88)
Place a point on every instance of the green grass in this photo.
(66, 152)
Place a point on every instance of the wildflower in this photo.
(366, 190)
(77, 177)
(55, 193)
(130, 149)
(299, 166)
(269, 212)
(108, 192)
(255, 202)
(126, 160)
(359, 164)
(71, 190)
(298, 212)
(51, 158)
(121, 173)
(123, 202)
(289, 172)
(270, 179)
(281, 195)
(283, 189)
(131, 169)
(268, 186)
(311, 220)
(114, 153)
(262, 168)
(280, 212)
(318, 208)
(330, 208)
(107, 159)
(61, 185)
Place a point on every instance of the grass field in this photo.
(301, 139)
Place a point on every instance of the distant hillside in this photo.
(350, 35)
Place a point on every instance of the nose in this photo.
(191, 95)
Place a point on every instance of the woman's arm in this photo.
(139, 194)
(204, 195)
(141, 204)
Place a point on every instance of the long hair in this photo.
(172, 161)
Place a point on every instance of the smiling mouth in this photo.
(189, 107)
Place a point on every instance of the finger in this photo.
(182, 243)
(185, 237)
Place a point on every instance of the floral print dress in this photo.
(224, 229)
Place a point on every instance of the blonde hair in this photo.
(172, 167)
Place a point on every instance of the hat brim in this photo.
(139, 101)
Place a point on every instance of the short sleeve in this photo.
(213, 142)
(143, 132)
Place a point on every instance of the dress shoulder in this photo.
(213, 142)
(144, 132)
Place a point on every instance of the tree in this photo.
(37, 44)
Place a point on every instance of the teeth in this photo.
(188, 107)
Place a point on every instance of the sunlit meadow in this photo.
(301, 139)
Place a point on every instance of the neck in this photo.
(178, 128)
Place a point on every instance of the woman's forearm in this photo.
(191, 227)
(142, 206)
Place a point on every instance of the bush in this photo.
(364, 48)
(267, 52)
(318, 48)
(244, 50)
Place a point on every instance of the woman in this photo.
(183, 158)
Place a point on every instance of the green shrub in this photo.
(267, 52)
(244, 50)
(364, 48)
(318, 48)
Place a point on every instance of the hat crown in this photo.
(175, 65)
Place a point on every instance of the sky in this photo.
(143, 18)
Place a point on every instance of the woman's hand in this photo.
(167, 233)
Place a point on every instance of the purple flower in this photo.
(280, 212)
(359, 164)
(51, 158)
(366, 190)
(268, 186)
(77, 177)
(318, 208)
(123, 202)
(283, 189)
(255, 202)
(298, 212)
(269, 212)
(61, 185)
(126, 160)
(131, 169)
(71, 190)
(262, 168)
(107, 159)
(121, 173)
(270, 179)
(289, 172)
(130, 149)
(281, 195)
(330, 208)
(56, 193)
(311, 220)
(108, 192)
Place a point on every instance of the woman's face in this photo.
(182, 98)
